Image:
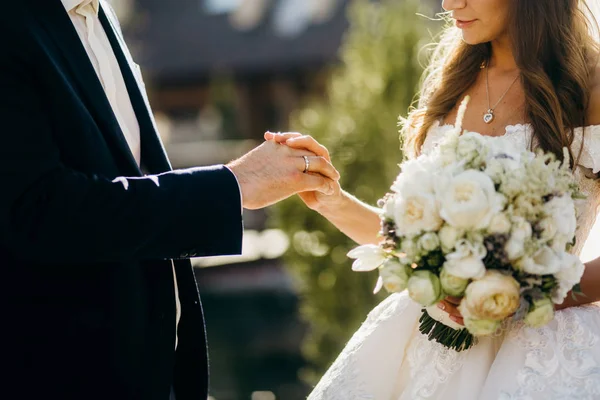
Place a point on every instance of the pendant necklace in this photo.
(488, 117)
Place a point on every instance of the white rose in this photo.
(562, 210)
(540, 313)
(449, 237)
(429, 242)
(452, 285)
(466, 262)
(569, 275)
(494, 297)
(368, 257)
(469, 201)
(416, 214)
(500, 224)
(520, 232)
(424, 288)
(544, 262)
(394, 275)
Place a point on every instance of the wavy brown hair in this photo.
(555, 53)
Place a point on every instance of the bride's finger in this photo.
(454, 300)
(308, 143)
(281, 137)
(451, 309)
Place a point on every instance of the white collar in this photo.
(73, 4)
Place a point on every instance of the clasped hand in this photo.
(274, 171)
(314, 199)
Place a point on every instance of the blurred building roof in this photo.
(189, 39)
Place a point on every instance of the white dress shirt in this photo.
(84, 15)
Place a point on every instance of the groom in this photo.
(98, 298)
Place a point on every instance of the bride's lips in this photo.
(462, 24)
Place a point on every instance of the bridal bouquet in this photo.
(481, 219)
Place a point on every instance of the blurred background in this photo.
(219, 74)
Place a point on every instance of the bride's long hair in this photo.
(556, 53)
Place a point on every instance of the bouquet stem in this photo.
(456, 339)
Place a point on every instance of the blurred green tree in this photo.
(375, 82)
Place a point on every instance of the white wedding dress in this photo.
(389, 359)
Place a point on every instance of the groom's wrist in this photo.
(238, 185)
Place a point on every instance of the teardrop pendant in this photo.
(488, 117)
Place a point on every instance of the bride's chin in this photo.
(473, 39)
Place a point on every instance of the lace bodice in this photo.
(588, 164)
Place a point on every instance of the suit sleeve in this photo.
(49, 212)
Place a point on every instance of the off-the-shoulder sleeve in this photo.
(589, 155)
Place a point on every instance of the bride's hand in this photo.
(450, 305)
(314, 200)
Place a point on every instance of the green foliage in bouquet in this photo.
(375, 83)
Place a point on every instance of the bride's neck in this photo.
(503, 59)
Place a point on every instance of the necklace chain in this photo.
(488, 117)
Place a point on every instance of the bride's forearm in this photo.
(590, 286)
(357, 220)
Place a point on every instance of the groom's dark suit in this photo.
(88, 304)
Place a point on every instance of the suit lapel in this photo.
(58, 26)
(154, 157)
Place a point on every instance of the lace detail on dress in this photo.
(344, 380)
(559, 361)
(431, 365)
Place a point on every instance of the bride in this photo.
(531, 69)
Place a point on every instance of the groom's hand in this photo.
(315, 200)
(272, 172)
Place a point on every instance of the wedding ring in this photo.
(306, 164)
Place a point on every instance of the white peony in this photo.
(416, 213)
(466, 262)
(521, 231)
(368, 257)
(469, 201)
(417, 177)
(394, 275)
(562, 211)
(540, 313)
(500, 224)
(544, 262)
(568, 276)
(424, 287)
(494, 297)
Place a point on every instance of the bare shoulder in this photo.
(594, 108)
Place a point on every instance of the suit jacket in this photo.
(87, 240)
